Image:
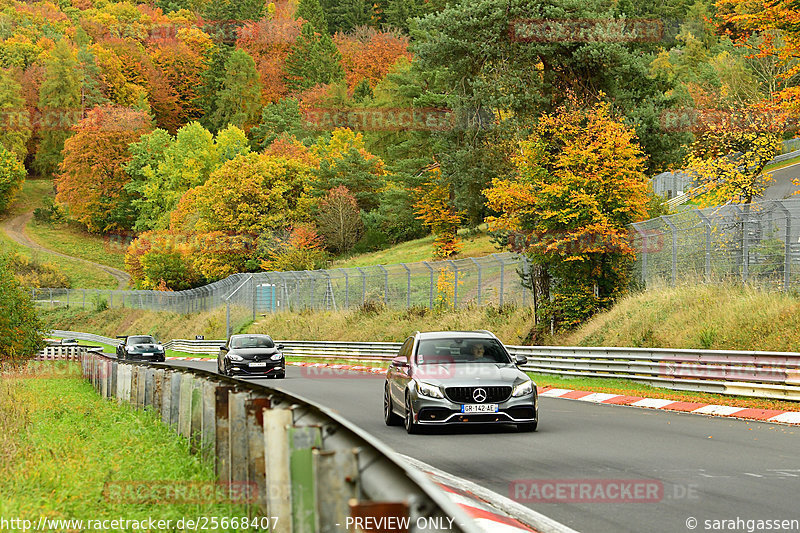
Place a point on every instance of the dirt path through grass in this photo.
(14, 227)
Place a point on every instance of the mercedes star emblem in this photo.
(479, 395)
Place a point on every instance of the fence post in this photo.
(707, 229)
(480, 272)
(502, 276)
(385, 284)
(363, 285)
(787, 245)
(455, 283)
(346, 288)
(408, 284)
(674, 229)
(430, 291)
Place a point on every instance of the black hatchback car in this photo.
(140, 347)
(251, 355)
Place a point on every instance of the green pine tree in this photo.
(313, 60)
(60, 105)
(239, 99)
(311, 11)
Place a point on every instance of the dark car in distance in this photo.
(251, 355)
(140, 347)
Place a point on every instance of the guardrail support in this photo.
(175, 400)
(196, 419)
(256, 465)
(222, 431)
(276, 436)
(302, 441)
(337, 471)
(238, 442)
(185, 405)
(209, 436)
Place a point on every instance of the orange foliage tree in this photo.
(769, 29)
(92, 178)
(579, 183)
(269, 42)
(368, 54)
(434, 207)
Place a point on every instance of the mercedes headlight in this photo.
(431, 391)
(277, 357)
(523, 389)
(235, 357)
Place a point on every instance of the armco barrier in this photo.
(310, 468)
(758, 374)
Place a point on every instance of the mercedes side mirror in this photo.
(520, 360)
(400, 362)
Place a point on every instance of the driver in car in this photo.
(478, 351)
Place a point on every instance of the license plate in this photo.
(252, 365)
(479, 408)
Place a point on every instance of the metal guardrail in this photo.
(742, 373)
(64, 353)
(309, 466)
(760, 374)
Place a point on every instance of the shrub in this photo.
(32, 273)
(21, 331)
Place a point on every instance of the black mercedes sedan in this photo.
(251, 355)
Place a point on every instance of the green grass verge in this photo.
(62, 444)
(72, 240)
(476, 245)
(782, 164)
(80, 274)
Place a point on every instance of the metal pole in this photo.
(478, 266)
(787, 246)
(385, 284)
(674, 248)
(502, 276)
(430, 291)
(227, 319)
(455, 283)
(408, 284)
(643, 234)
(745, 247)
(363, 285)
(707, 227)
(346, 288)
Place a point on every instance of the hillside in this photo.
(702, 316)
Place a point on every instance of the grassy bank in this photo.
(80, 274)
(61, 446)
(163, 326)
(702, 317)
(714, 317)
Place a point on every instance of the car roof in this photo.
(249, 335)
(427, 335)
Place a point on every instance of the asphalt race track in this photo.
(710, 468)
